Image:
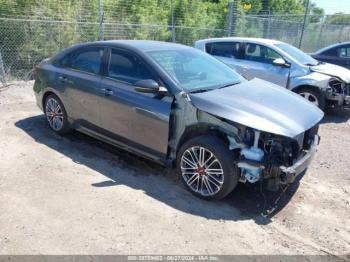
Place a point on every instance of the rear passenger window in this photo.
(344, 51)
(224, 49)
(126, 67)
(88, 60)
(260, 53)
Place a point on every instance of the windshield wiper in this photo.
(200, 90)
(227, 85)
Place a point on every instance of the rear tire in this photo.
(313, 95)
(207, 168)
(56, 115)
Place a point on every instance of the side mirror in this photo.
(280, 62)
(149, 86)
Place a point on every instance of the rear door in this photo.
(258, 62)
(228, 52)
(344, 56)
(140, 120)
(81, 81)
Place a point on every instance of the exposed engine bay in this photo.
(338, 93)
(275, 158)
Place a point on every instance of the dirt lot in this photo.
(75, 195)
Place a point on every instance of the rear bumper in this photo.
(301, 164)
(39, 98)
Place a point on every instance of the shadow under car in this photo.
(247, 201)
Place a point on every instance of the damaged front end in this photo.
(277, 159)
(338, 93)
(272, 131)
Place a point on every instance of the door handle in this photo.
(64, 79)
(107, 91)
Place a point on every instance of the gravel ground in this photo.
(76, 195)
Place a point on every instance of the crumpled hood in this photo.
(260, 105)
(333, 70)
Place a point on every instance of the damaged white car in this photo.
(325, 85)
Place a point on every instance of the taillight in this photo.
(36, 70)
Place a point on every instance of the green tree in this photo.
(338, 18)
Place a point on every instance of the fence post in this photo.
(340, 33)
(2, 71)
(231, 19)
(173, 33)
(320, 40)
(101, 18)
(267, 24)
(304, 23)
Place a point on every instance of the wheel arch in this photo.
(46, 94)
(322, 97)
(297, 88)
(201, 129)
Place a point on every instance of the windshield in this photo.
(194, 70)
(297, 54)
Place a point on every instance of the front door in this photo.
(257, 62)
(139, 119)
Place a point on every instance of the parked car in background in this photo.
(285, 65)
(179, 106)
(338, 54)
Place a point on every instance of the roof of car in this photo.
(331, 46)
(143, 45)
(242, 39)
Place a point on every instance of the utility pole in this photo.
(304, 22)
(101, 16)
(173, 33)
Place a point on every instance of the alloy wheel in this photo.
(54, 114)
(310, 97)
(202, 171)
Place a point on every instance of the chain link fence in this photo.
(28, 35)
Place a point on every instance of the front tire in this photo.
(207, 167)
(313, 95)
(56, 115)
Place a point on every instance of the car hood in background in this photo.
(333, 70)
(260, 105)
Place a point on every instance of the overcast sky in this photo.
(334, 6)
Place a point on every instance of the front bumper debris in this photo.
(291, 172)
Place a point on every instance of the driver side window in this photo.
(126, 67)
(260, 53)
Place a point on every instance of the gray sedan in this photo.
(180, 107)
(285, 65)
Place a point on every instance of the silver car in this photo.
(285, 65)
